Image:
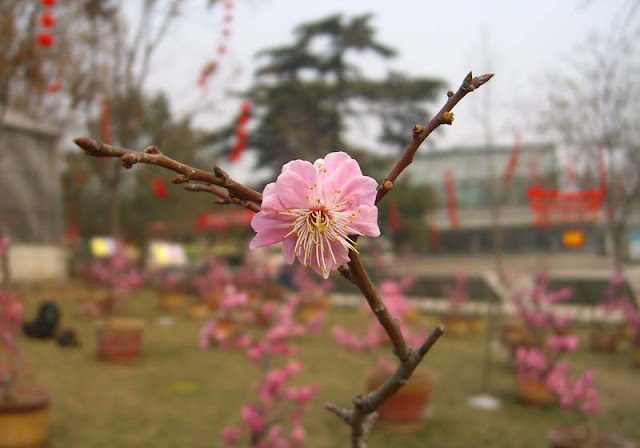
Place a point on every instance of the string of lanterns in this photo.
(212, 66)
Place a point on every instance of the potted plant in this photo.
(609, 328)
(211, 278)
(409, 407)
(24, 410)
(119, 338)
(457, 321)
(170, 284)
(548, 339)
(578, 393)
(313, 295)
(273, 418)
(626, 318)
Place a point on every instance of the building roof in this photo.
(17, 120)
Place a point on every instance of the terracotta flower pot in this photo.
(409, 408)
(635, 351)
(213, 299)
(578, 437)
(171, 301)
(514, 335)
(533, 391)
(198, 310)
(24, 421)
(457, 324)
(119, 339)
(604, 340)
(307, 310)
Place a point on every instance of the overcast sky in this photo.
(520, 41)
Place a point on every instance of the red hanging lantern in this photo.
(394, 217)
(159, 187)
(49, 2)
(452, 205)
(47, 20)
(45, 39)
(245, 108)
(79, 177)
(54, 87)
(105, 122)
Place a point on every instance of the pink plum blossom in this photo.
(314, 209)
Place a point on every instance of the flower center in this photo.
(317, 228)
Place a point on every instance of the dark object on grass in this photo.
(68, 338)
(45, 323)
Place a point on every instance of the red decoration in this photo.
(45, 40)
(226, 32)
(513, 160)
(394, 217)
(222, 49)
(105, 123)
(159, 187)
(222, 220)
(54, 87)
(228, 4)
(434, 238)
(241, 132)
(452, 205)
(47, 20)
(228, 18)
(551, 205)
(79, 177)
(49, 2)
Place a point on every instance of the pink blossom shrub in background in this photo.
(274, 417)
(11, 314)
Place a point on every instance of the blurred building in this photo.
(31, 204)
(463, 221)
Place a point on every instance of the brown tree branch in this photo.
(444, 116)
(361, 418)
(223, 196)
(153, 156)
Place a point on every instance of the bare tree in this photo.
(595, 106)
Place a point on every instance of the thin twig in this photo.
(444, 116)
(223, 195)
(153, 156)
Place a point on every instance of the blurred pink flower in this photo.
(252, 417)
(298, 435)
(230, 435)
(563, 343)
(313, 209)
(5, 242)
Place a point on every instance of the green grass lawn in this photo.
(177, 395)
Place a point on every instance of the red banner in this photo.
(452, 205)
(223, 220)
